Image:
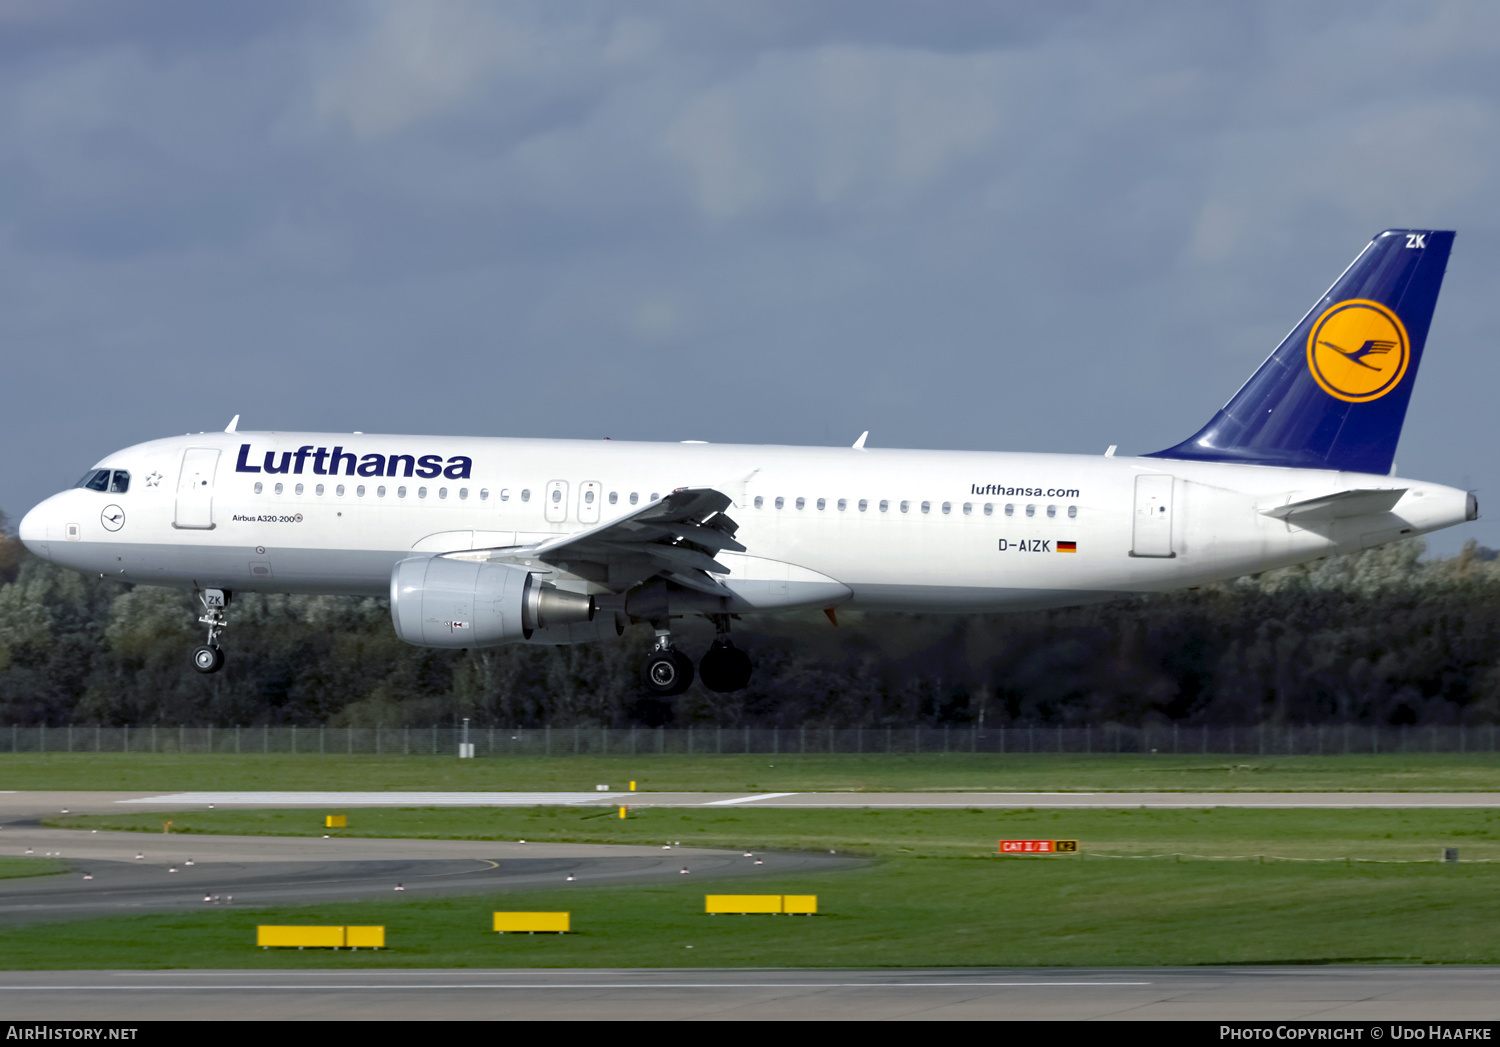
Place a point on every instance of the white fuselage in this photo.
(897, 529)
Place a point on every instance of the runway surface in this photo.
(1262, 995)
(31, 804)
(143, 872)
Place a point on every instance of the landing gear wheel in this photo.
(667, 672)
(208, 659)
(724, 668)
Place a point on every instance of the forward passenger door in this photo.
(195, 489)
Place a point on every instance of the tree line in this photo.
(1380, 637)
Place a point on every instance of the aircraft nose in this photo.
(33, 530)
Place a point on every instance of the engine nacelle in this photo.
(442, 602)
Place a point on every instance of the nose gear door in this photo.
(195, 489)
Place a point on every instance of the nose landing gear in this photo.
(209, 658)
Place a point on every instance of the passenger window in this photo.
(884, 505)
(1051, 511)
(905, 506)
(421, 492)
(401, 492)
(380, 492)
(588, 497)
(801, 503)
(299, 488)
(278, 488)
(989, 508)
(463, 493)
(863, 505)
(339, 490)
(525, 494)
(1072, 512)
(257, 487)
(927, 507)
(121, 482)
(843, 504)
(484, 494)
(780, 502)
(318, 490)
(1010, 510)
(360, 490)
(505, 494)
(654, 496)
(442, 492)
(947, 508)
(634, 498)
(1031, 510)
(614, 497)
(759, 501)
(822, 504)
(968, 508)
(556, 495)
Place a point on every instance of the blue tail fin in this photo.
(1333, 395)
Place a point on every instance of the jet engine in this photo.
(442, 602)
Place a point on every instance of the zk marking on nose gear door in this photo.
(556, 501)
(195, 489)
(1153, 516)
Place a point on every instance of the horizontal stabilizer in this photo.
(1360, 502)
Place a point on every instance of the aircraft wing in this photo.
(675, 537)
(1358, 502)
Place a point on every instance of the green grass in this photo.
(937, 894)
(786, 773)
(901, 912)
(12, 868)
(1371, 834)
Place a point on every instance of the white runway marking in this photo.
(812, 800)
(747, 799)
(383, 799)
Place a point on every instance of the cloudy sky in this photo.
(986, 225)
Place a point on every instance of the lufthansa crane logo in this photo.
(1358, 351)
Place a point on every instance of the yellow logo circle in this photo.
(1358, 351)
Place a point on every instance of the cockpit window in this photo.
(99, 480)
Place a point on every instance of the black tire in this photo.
(724, 668)
(208, 659)
(667, 673)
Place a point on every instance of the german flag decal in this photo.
(1067, 547)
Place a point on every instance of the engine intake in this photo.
(442, 602)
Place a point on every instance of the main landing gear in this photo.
(209, 658)
(723, 669)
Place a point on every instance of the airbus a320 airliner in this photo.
(480, 542)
